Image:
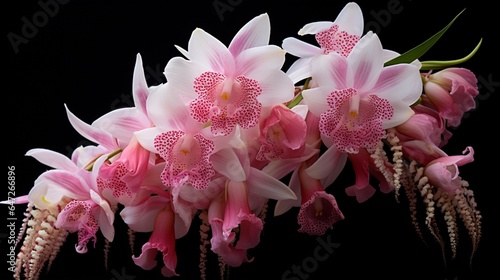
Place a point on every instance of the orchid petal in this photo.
(255, 33)
(315, 27)
(262, 184)
(256, 63)
(365, 61)
(300, 48)
(402, 81)
(209, 51)
(91, 133)
(283, 205)
(350, 19)
(226, 162)
(52, 159)
(141, 217)
(140, 90)
(121, 123)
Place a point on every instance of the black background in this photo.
(83, 56)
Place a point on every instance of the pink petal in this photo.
(209, 51)
(91, 133)
(254, 33)
(140, 89)
(52, 159)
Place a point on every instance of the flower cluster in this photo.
(230, 130)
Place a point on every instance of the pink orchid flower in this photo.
(228, 86)
(283, 134)
(364, 167)
(338, 36)
(282, 139)
(423, 135)
(87, 213)
(309, 180)
(178, 139)
(235, 229)
(319, 209)
(245, 189)
(120, 181)
(443, 172)
(357, 98)
(154, 215)
(452, 92)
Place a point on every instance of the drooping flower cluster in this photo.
(231, 130)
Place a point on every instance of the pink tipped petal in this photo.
(209, 51)
(401, 81)
(331, 71)
(257, 63)
(162, 240)
(140, 89)
(91, 133)
(52, 159)
(169, 112)
(365, 62)
(254, 33)
(180, 74)
(121, 123)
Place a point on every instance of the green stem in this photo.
(299, 97)
(90, 166)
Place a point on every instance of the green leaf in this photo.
(440, 64)
(419, 50)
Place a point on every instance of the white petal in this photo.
(350, 19)
(140, 90)
(402, 112)
(300, 48)
(146, 138)
(365, 62)
(401, 81)
(264, 185)
(315, 99)
(283, 205)
(141, 217)
(328, 166)
(255, 33)
(315, 27)
(228, 164)
(122, 123)
(255, 63)
(91, 133)
(52, 159)
(276, 88)
(209, 51)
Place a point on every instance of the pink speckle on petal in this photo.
(114, 183)
(353, 122)
(186, 157)
(225, 102)
(331, 40)
(319, 213)
(77, 216)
